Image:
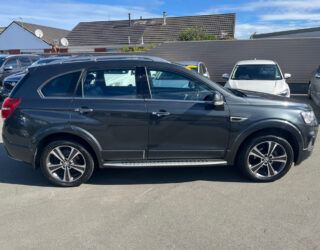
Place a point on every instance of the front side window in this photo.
(24, 61)
(113, 83)
(172, 86)
(12, 62)
(62, 86)
(256, 72)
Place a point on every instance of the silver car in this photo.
(314, 87)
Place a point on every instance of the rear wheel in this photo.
(266, 158)
(66, 163)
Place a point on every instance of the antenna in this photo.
(38, 33)
(64, 41)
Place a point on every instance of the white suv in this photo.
(258, 75)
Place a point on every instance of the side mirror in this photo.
(8, 68)
(226, 76)
(317, 75)
(218, 99)
(287, 75)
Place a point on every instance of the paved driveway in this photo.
(186, 208)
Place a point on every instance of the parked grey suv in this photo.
(70, 118)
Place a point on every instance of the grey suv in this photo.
(103, 112)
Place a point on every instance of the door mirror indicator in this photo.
(8, 68)
(226, 76)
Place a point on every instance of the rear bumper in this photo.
(18, 152)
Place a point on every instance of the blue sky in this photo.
(252, 15)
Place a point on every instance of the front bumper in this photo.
(310, 139)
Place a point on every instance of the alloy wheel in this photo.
(66, 163)
(267, 159)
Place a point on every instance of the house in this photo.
(21, 37)
(298, 33)
(103, 36)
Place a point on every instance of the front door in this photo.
(183, 122)
(111, 107)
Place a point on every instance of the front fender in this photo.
(260, 126)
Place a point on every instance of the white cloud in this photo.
(263, 16)
(66, 14)
(291, 16)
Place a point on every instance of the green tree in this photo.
(195, 33)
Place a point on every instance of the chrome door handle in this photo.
(161, 113)
(83, 110)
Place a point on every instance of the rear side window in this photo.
(62, 86)
(113, 83)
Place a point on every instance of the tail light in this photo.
(9, 105)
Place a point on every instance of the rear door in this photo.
(111, 107)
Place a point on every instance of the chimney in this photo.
(129, 15)
(164, 18)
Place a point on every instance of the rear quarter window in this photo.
(62, 86)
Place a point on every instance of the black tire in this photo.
(249, 161)
(82, 155)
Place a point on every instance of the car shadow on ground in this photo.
(19, 173)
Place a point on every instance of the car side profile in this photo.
(258, 75)
(121, 112)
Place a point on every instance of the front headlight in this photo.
(309, 117)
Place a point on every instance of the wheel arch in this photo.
(71, 133)
(280, 128)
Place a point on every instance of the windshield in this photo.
(256, 72)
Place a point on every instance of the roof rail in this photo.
(113, 57)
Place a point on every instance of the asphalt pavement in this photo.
(173, 208)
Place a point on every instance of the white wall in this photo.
(15, 37)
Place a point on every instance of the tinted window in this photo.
(13, 62)
(34, 58)
(256, 72)
(168, 85)
(24, 61)
(110, 84)
(62, 86)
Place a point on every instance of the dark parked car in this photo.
(11, 81)
(12, 64)
(71, 117)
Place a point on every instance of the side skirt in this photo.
(155, 163)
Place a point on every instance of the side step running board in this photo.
(151, 163)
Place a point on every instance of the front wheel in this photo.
(66, 163)
(266, 158)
